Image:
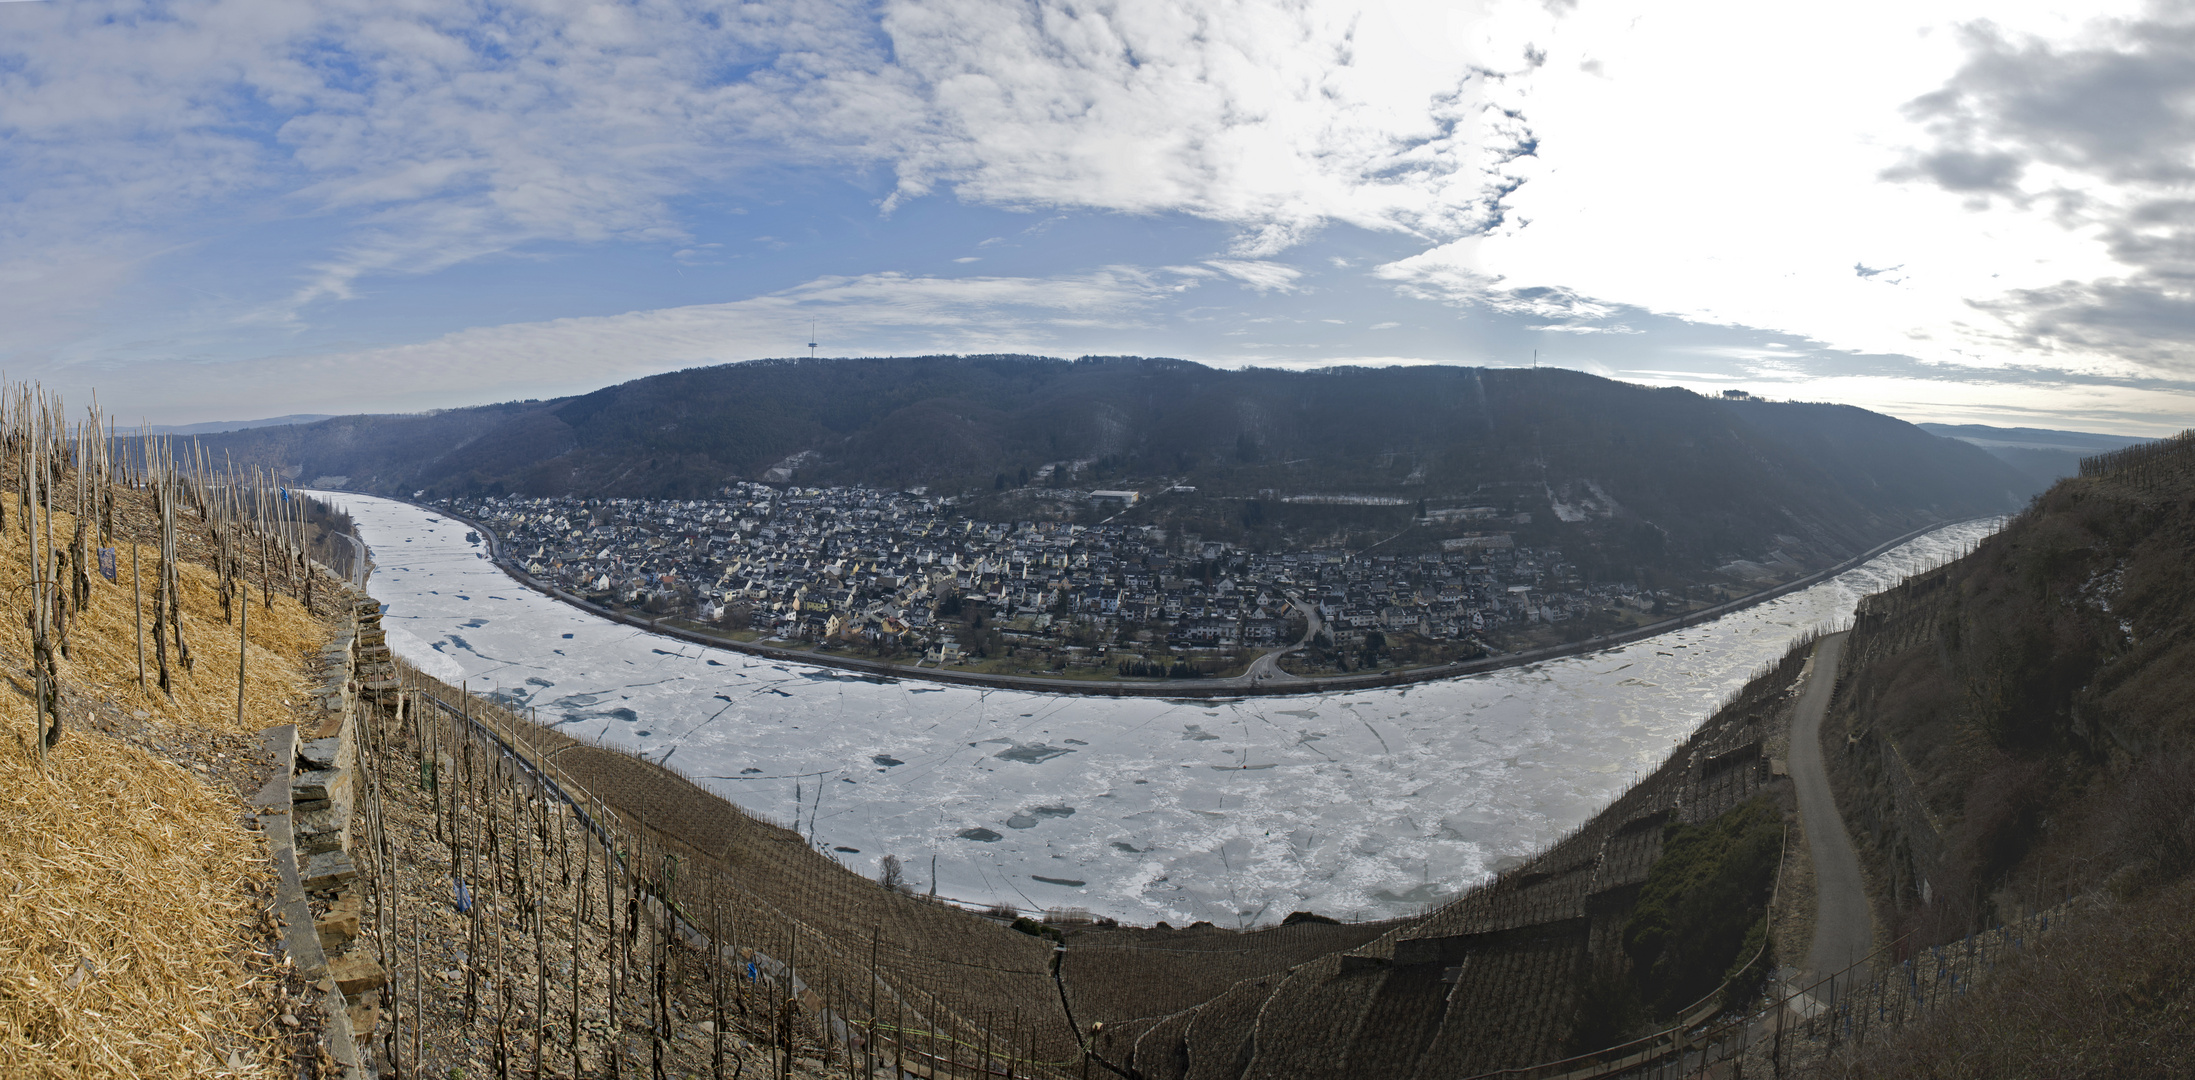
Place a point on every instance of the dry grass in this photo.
(102, 659)
(131, 910)
(2113, 996)
(129, 888)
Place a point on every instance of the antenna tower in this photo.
(812, 344)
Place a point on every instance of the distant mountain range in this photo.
(215, 427)
(1625, 475)
(2039, 452)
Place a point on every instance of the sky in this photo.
(1947, 211)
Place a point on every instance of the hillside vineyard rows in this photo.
(168, 612)
(433, 881)
(1650, 920)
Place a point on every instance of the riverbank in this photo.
(960, 772)
(1239, 687)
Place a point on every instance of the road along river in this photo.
(1365, 804)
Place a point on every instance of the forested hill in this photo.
(2042, 453)
(2018, 723)
(1718, 478)
(2016, 729)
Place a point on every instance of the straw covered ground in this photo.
(101, 659)
(135, 902)
(131, 890)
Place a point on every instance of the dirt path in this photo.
(1844, 927)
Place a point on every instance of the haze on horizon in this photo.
(1950, 211)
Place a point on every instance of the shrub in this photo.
(1704, 901)
(1610, 1011)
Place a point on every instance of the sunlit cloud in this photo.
(1984, 199)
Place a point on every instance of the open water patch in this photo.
(1032, 753)
(829, 675)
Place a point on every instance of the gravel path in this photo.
(1844, 926)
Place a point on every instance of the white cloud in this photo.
(1718, 161)
(49, 294)
(1261, 275)
(871, 314)
(1579, 328)
(1273, 117)
(1726, 163)
(2075, 405)
(437, 134)
(1445, 275)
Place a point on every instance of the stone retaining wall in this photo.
(313, 814)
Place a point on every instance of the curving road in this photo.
(1844, 923)
(1266, 669)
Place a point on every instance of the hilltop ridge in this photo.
(2045, 454)
(1621, 476)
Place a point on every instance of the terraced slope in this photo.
(1492, 980)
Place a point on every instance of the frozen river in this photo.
(1366, 804)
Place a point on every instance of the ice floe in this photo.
(1364, 804)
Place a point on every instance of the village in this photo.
(901, 576)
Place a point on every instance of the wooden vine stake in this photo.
(137, 607)
(36, 487)
(164, 509)
(266, 578)
(174, 574)
(243, 617)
